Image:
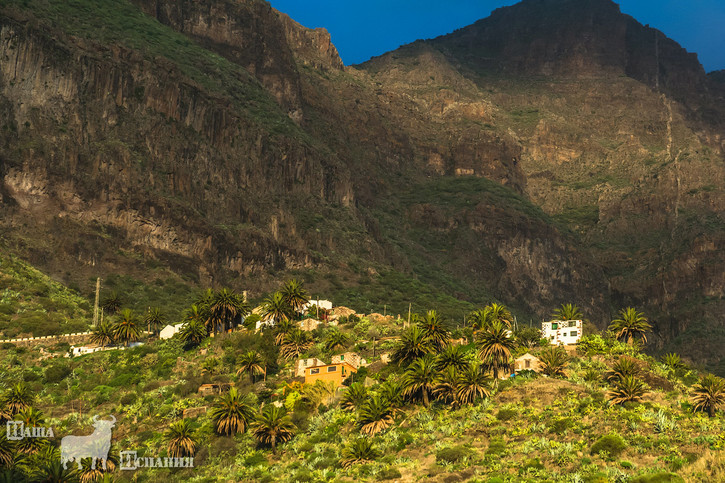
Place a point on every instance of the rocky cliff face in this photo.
(555, 152)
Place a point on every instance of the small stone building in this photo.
(302, 364)
(352, 358)
(527, 362)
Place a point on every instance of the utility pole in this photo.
(95, 306)
(373, 346)
(410, 305)
(385, 310)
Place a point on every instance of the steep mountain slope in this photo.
(622, 139)
(555, 152)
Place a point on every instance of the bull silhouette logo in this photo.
(94, 446)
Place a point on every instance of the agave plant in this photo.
(7, 450)
(709, 394)
(672, 361)
(232, 414)
(181, 440)
(554, 361)
(627, 389)
(375, 415)
(354, 397)
(359, 451)
(273, 426)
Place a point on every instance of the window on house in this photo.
(342, 357)
(527, 363)
(314, 371)
(572, 323)
(552, 337)
(573, 334)
(554, 326)
(343, 371)
(331, 368)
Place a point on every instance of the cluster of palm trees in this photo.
(234, 413)
(36, 459)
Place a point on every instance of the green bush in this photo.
(626, 465)
(56, 373)
(534, 464)
(452, 454)
(129, 398)
(663, 477)
(389, 473)
(613, 444)
(506, 414)
(496, 447)
(560, 425)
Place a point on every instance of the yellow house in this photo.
(331, 372)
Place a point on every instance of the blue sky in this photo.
(362, 29)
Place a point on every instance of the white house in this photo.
(169, 331)
(323, 304)
(562, 332)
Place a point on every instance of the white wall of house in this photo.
(323, 304)
(565, 332)
(169, 331)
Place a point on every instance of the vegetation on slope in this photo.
(435, 414)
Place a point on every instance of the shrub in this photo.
(496, 447)
(612, 444)
(452, 454)
(626, 465)
(389, 473)
(534, 464)
(560, 425)
(56, 373)
(129, 398)
(506, 414)
(663, 477)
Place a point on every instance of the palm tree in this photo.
(495, 346)
(295, 343)
(275, 308)
(154, 319)
(273, 426)
(412, 345)
(433, 330)
(49, 469)
(454, 356)
(193, 332)
(18, 398)
(111, 304)
(354, 397)
(252, 363)
(31, 417)
(420, 379)
(103, 334)
(391, 391)
(181, 439)
(375, 415)
(335, 338)
(627, 389)
(481, 319)
(126, 328)
(554, 361)
(473, 384)
(629, 325)
(7, 449)
(567, 312)
(281, 328)
(499, 313)
(90, 473)
(709, 394)
(625, 366)
(210, 365)
(528, 337)
(359, 451)
(294, 295)
(446, 385)
(232, 413)
(226, 310)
